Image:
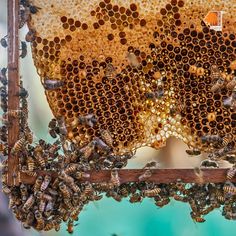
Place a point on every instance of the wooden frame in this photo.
(126, 175)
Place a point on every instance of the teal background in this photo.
(107, 216)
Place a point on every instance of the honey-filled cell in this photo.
(128, 63)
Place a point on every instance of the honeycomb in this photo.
(142, 68)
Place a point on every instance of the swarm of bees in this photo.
(161, 82)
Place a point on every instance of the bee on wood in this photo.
(151, 192)
(23, 49)
(229, 188)
(151, 165)
(13, 113)
(231, 84)
(209, 164)
(30, 36)
(50, 84)
(29, 203)
(3, 42)
(40, 221)
(70, 226)
(46, 182)
(65, 190)
(23, 93)
(19, 145)
(193, 152)
(115, 179)
(69, 180)
(231, 172)
(3, 77)
(82, 175)
(147, 174)
(199, 174)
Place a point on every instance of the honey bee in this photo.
(215, 73)
(29, 220)
(88, 189)
(3, 41)
(72, 168)
(159, 93)
(38, 183)
(162, 202)
(110, 71)
(229, 188)
(221, 152)
(29, 203)
(107, 137)
(40, 159)
(62, 125)
(65, 190)
(231, 172)
(180, 198)
(42, 205)
(209, 164)
(69, 180)
(135, 197)
(230, 102)
(87, 150)
(132, 59)
(50, 84)
(23, 49)
(193, 152)
(197, 218)
(70, 226)
(75, 212)
(231, 84)
(3, 77)
(82, 175)
(114, 195)
(19, 145)
(46, 182)
(151, 165)
(40, 220)
(211, 139)
(31, 164)
(147, 174)
(89, 120)
(115, 180)
(24, 192)
(199, 174)
(30, 36)
(217, 85)
(151, 192)
(101, 145)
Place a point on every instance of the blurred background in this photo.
(108, 217)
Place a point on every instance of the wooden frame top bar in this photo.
(13, 86)
(158, 176)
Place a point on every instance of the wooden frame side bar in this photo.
(13, 86)
(158, 176)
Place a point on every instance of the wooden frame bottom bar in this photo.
(158, 176)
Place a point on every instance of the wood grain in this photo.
(13, 88)
(158, 176)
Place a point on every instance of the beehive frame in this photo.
(126, 175)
